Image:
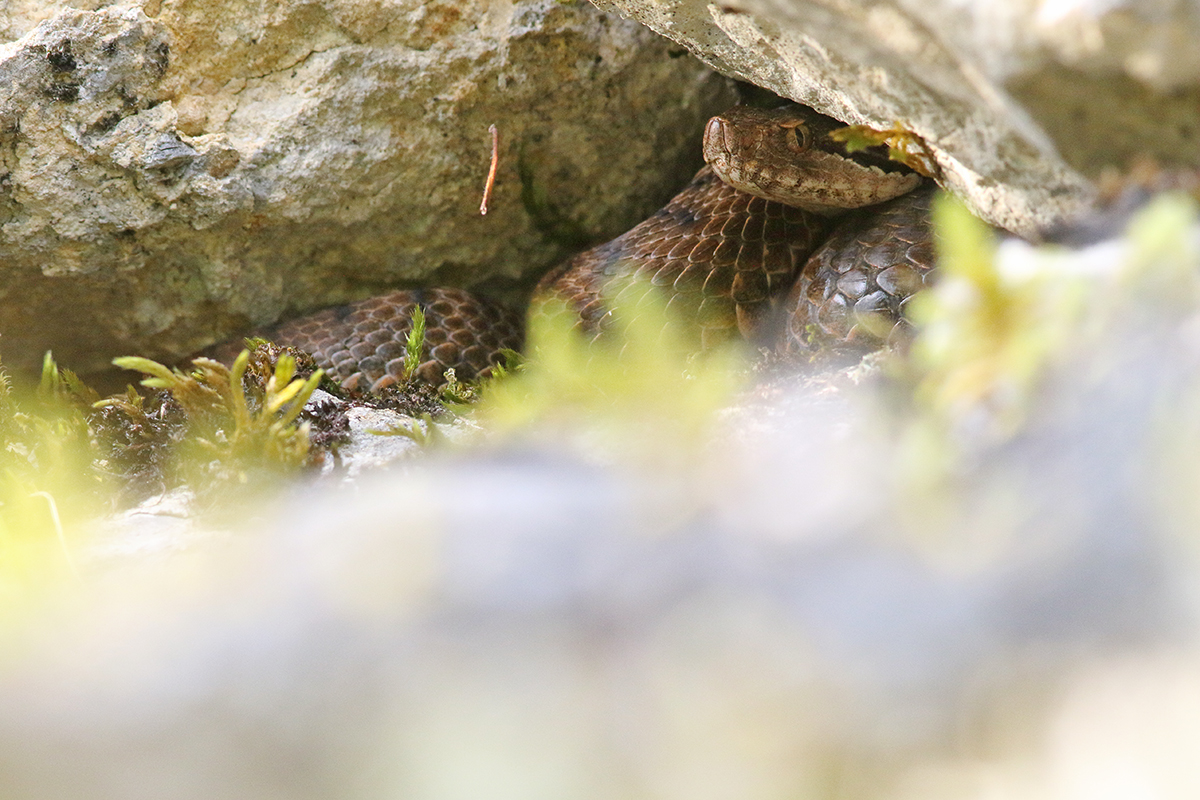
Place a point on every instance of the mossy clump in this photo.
(222, 432)
(137, 436)
(641, 385)
(242, 421)
(211, 424)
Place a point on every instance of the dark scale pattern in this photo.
(721, 257)
(854, 289)
(361, 345)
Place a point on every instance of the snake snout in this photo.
(719, 142)
(713, 132)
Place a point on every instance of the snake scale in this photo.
(763, 244)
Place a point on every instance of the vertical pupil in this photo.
(801, 135)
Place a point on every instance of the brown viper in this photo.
(752, 247)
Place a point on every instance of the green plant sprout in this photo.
(241, 425)
(414, 344)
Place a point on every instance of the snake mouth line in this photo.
(789, 155)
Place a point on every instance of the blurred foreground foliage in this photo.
(47, 480)
(68, 456)
(989, 337)
(990, 331)
(641, 388)
(1020, 352)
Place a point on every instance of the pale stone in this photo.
(173, 173)
(1021, 102)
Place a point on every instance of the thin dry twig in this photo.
(491, 178)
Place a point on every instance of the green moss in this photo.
(240, 424)
(985, 338)
(49, 482)
(642, 384)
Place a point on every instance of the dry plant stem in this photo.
(491, 178)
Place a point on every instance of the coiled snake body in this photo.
(752, 247)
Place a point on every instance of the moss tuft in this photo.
(242, 420)
(640, 384)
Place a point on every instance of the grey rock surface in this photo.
(1020, 102)
(174, 172)
(777, 616)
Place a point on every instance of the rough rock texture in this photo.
(1019, 100)
(174, 172)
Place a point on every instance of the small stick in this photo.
(491, 178)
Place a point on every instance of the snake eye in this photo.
(798, 137)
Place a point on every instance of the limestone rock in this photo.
(1021, 102)
(174, 172)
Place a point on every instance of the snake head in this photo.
(787, 155)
